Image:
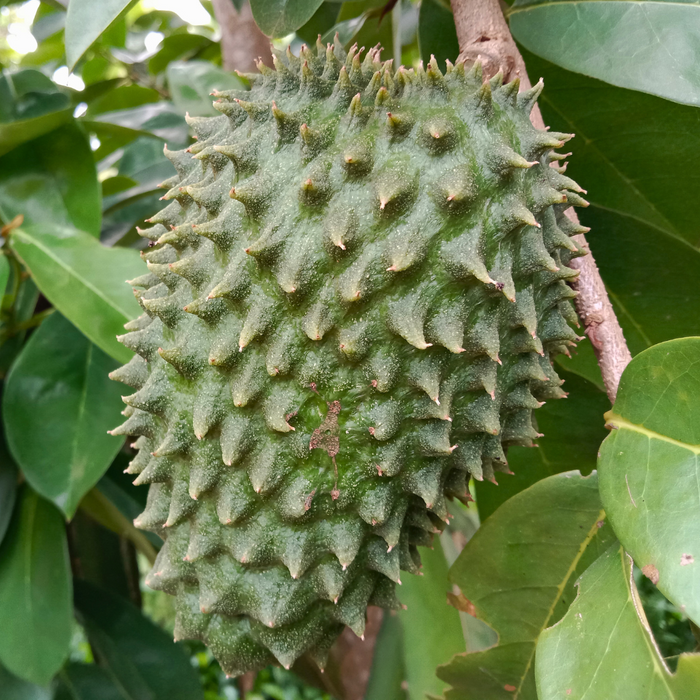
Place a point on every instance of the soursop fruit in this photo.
(351, 306)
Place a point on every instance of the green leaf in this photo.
(174, 47)
(191, 83)
(573, 430)
(518, 571)
(17, 689)
(52, 180)
(31, 105)
(117, 184)
(437, 35)
(603, 39)
(121, 98)
(86, 21)
(8, 486)
(632, 151)
(603, 647)
(83, 280)
(321, 22)
(58, 405)
(346, 30)
(277, 18)
(139, 656)
(4, 273)
(650, 467)
(24, 94)
(18, 132)
(388, 672)
(35, 591)
(635, 154)
(370, 31)
(432, 631)
(87, 682)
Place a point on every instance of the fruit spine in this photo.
(351, 305)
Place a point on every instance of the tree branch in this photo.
(483, 34)
(241, 40)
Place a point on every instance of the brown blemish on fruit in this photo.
(327, 437)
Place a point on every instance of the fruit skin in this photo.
(351, 306)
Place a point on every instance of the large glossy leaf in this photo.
(650, 468)
(85, 21)
(83, 280)
(277, 18)
(432, 631)
(35, 591)
(87, 682)
(137, 654)
(604, 649)
(648, 45)
(58, 405)
(52, 180)
(518, 572)
(437, 35)
(629, 150)
(15, 688)
(573, 430)
(191, 83)
(636, 156)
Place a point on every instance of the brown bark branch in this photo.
(241, 40)
(484, 35)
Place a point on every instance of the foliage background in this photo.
(81, 157)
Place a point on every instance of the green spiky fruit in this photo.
(351, 306)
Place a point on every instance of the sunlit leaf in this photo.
(86, 21)
(432, 631)
(650, 468)
(603, 647)
(83, 280)
(518, 573)
(52, 180)
(647, 45)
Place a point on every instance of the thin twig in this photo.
(483, 34)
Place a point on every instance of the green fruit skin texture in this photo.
(351, 306)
